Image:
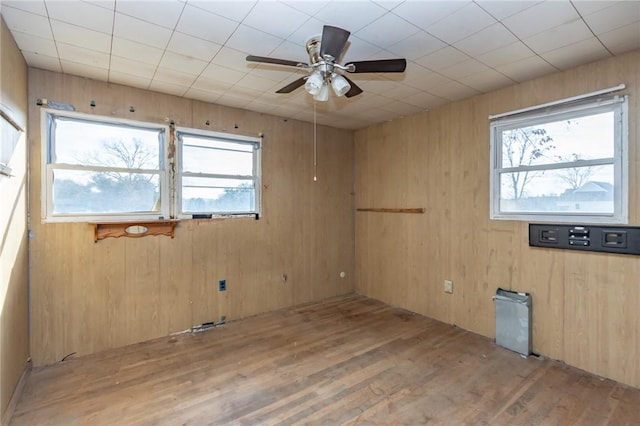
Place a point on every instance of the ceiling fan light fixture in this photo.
(323, 95)
(340, 84)
(314, 83)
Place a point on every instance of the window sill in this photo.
(133, 229)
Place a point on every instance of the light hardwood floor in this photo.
(345, 360)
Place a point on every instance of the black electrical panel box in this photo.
(609, 239)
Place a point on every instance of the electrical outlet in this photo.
(222, 285)
(448, 286)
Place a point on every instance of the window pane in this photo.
(200, 155)
(208, 195)
(9, 137)
(571, 139)
(98, 144)
(95, 192)
(573, 190)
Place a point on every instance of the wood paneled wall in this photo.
(585, 305)
(87, 297)
(14, 340)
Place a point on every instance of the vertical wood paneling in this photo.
(585, 305)
(88, 296)
(14, 340)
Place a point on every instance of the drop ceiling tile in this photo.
(171, 89)
(234, 59)
(230, 99)
(425, 100)
(540, 17)
(276, 74)
(249, 40)
(168, 75)
(376, 84)
(461, 24)
(192, 46)
(100, 74)
(358, 49)
(283, 19)
(81, 37)
(350, 15)
(576, 54)
(505, 55)
(26, 22)
(128, 79)
(84, 56)
(310, 28)
(164, 12)
(44, 62)
(425, 14)
(182, 63)
(562, 35)
(132, 50)
(502, 9)
(82, 14)
(36, 7)
(212, 85)
(416, 46)
(419, 77)
(310, 7)
(486, 40)
(255, 82)
(35, 44)
(140, 31)
(526, 68)
(132, 67)
(387, 31)
(207, 26)
(442, 58)
(453, 91)
(106, 4)
(487, 80)
(398, 91)
(234, 10)
(223, 74)
(290, 51)
(622, 39)
(618, 15)
(589, 7)
(402, 108)
(463, 69)
(202, 95)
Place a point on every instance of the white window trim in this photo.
(222, 136)
(533, 116)
(47, 172)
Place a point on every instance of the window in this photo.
(563, 163)
(10, 134)
(98, 168)
(218, 174)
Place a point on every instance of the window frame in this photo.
(48, 216)
(256, 142)
(531, 117)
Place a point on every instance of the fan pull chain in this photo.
(315, 145)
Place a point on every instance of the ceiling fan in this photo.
(323, 53)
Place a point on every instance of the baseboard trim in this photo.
(17, 393)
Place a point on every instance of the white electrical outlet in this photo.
(448, 286)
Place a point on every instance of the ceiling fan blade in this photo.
(333, 41)
(265, 60)
(354, 91)
(293, 85)
(382, 65)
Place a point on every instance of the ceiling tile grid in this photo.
(197, 48)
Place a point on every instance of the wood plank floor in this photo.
(347, 360)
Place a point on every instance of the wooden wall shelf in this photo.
(133, 229)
